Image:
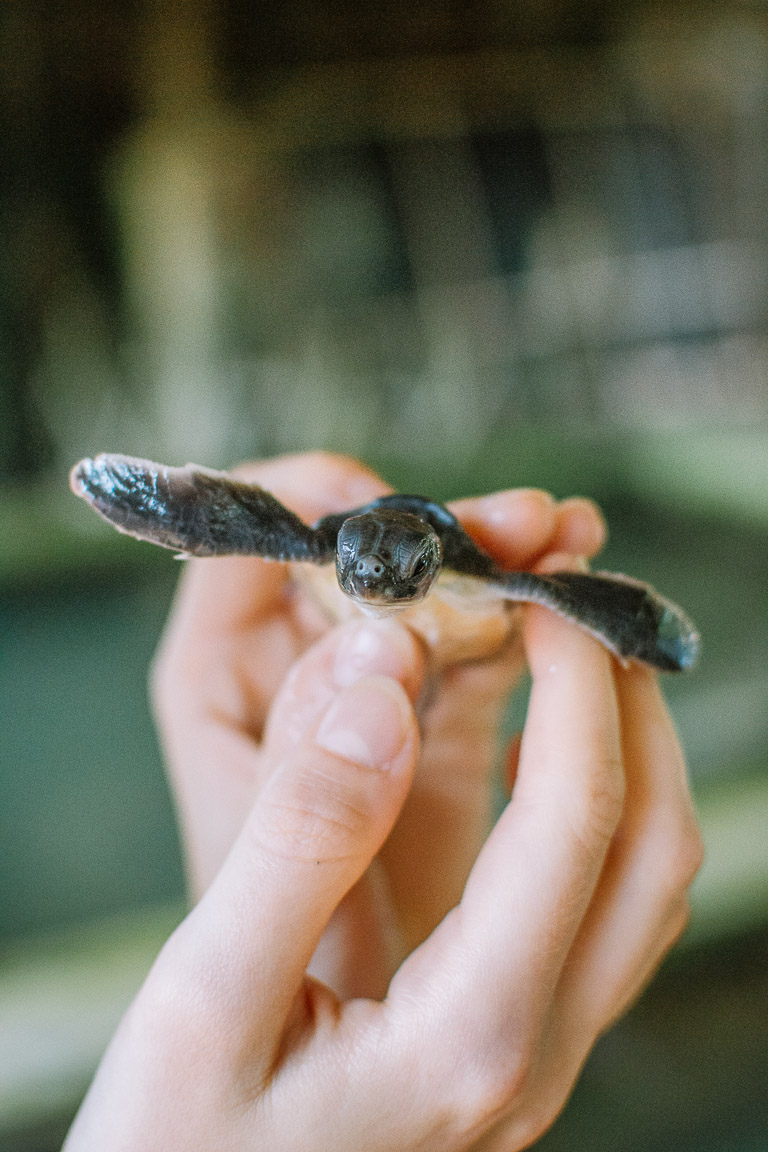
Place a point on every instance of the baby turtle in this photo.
(397, 554)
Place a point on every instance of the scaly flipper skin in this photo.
(195, 511)
(389, 553)
(629, 617)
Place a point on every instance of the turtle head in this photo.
(387, 559)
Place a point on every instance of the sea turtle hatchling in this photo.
(397, 554)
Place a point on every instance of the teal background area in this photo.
(86, 825)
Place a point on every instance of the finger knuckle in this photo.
(536, 1119)
(324, 815)
(598, 815)
(319, 458)
(182, 997)
(680, 921)
(678, 854)
(332, 469)
(489, 1091)
(504, 1088)
(686, 857)
(332, 461)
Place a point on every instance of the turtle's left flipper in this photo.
(629, 617)
(194, 510)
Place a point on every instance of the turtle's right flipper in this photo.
(194, 511)
(626, 615)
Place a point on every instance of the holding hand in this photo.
(464, 979)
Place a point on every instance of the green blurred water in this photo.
(86, 824)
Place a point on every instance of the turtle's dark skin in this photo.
(388, 555)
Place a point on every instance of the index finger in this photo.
(498, 959)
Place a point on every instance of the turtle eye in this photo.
(420, 566)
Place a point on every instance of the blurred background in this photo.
(484, 244)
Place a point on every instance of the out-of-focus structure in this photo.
(228, 227)
(483, 245)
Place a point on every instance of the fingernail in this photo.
(374, 648)
(368, 723)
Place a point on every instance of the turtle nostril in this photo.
(369, 566)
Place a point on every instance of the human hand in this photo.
(237, 629)
(574, 898)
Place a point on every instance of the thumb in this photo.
(317, 824)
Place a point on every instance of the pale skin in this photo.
(370, 964)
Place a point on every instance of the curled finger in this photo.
(640, 906)
(491, 968)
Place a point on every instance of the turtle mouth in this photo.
(375, 594)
